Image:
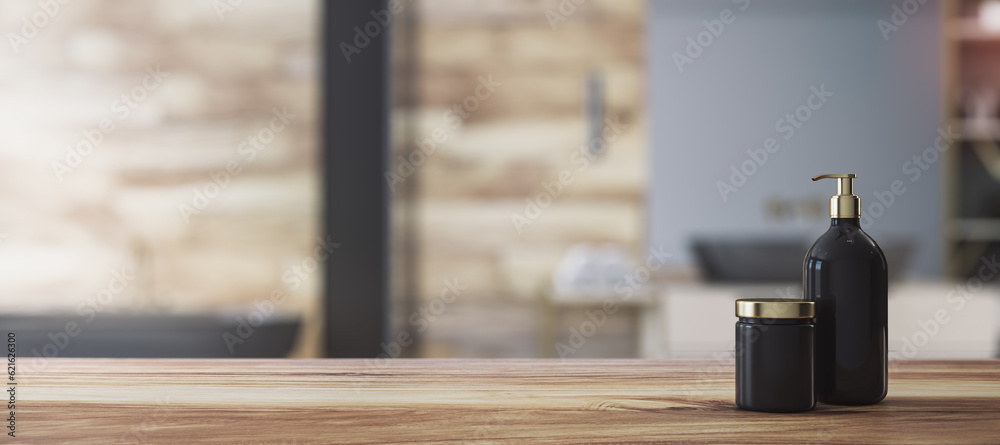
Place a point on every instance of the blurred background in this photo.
(444, 178)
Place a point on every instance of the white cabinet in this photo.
(926, 320)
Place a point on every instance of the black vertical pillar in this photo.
(355, 143)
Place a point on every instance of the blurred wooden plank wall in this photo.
(520, 138)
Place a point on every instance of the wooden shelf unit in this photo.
(971, 62)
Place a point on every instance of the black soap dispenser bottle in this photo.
(845, 275)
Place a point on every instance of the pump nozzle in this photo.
(845, 204)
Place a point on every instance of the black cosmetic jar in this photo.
(774, 355)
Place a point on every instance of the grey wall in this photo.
(884, 110)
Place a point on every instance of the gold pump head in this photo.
(845, 204)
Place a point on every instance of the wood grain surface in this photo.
(101, 401)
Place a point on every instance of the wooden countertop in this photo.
(100, 401)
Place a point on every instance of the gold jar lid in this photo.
(775, 308)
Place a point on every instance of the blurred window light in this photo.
(989, 15)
